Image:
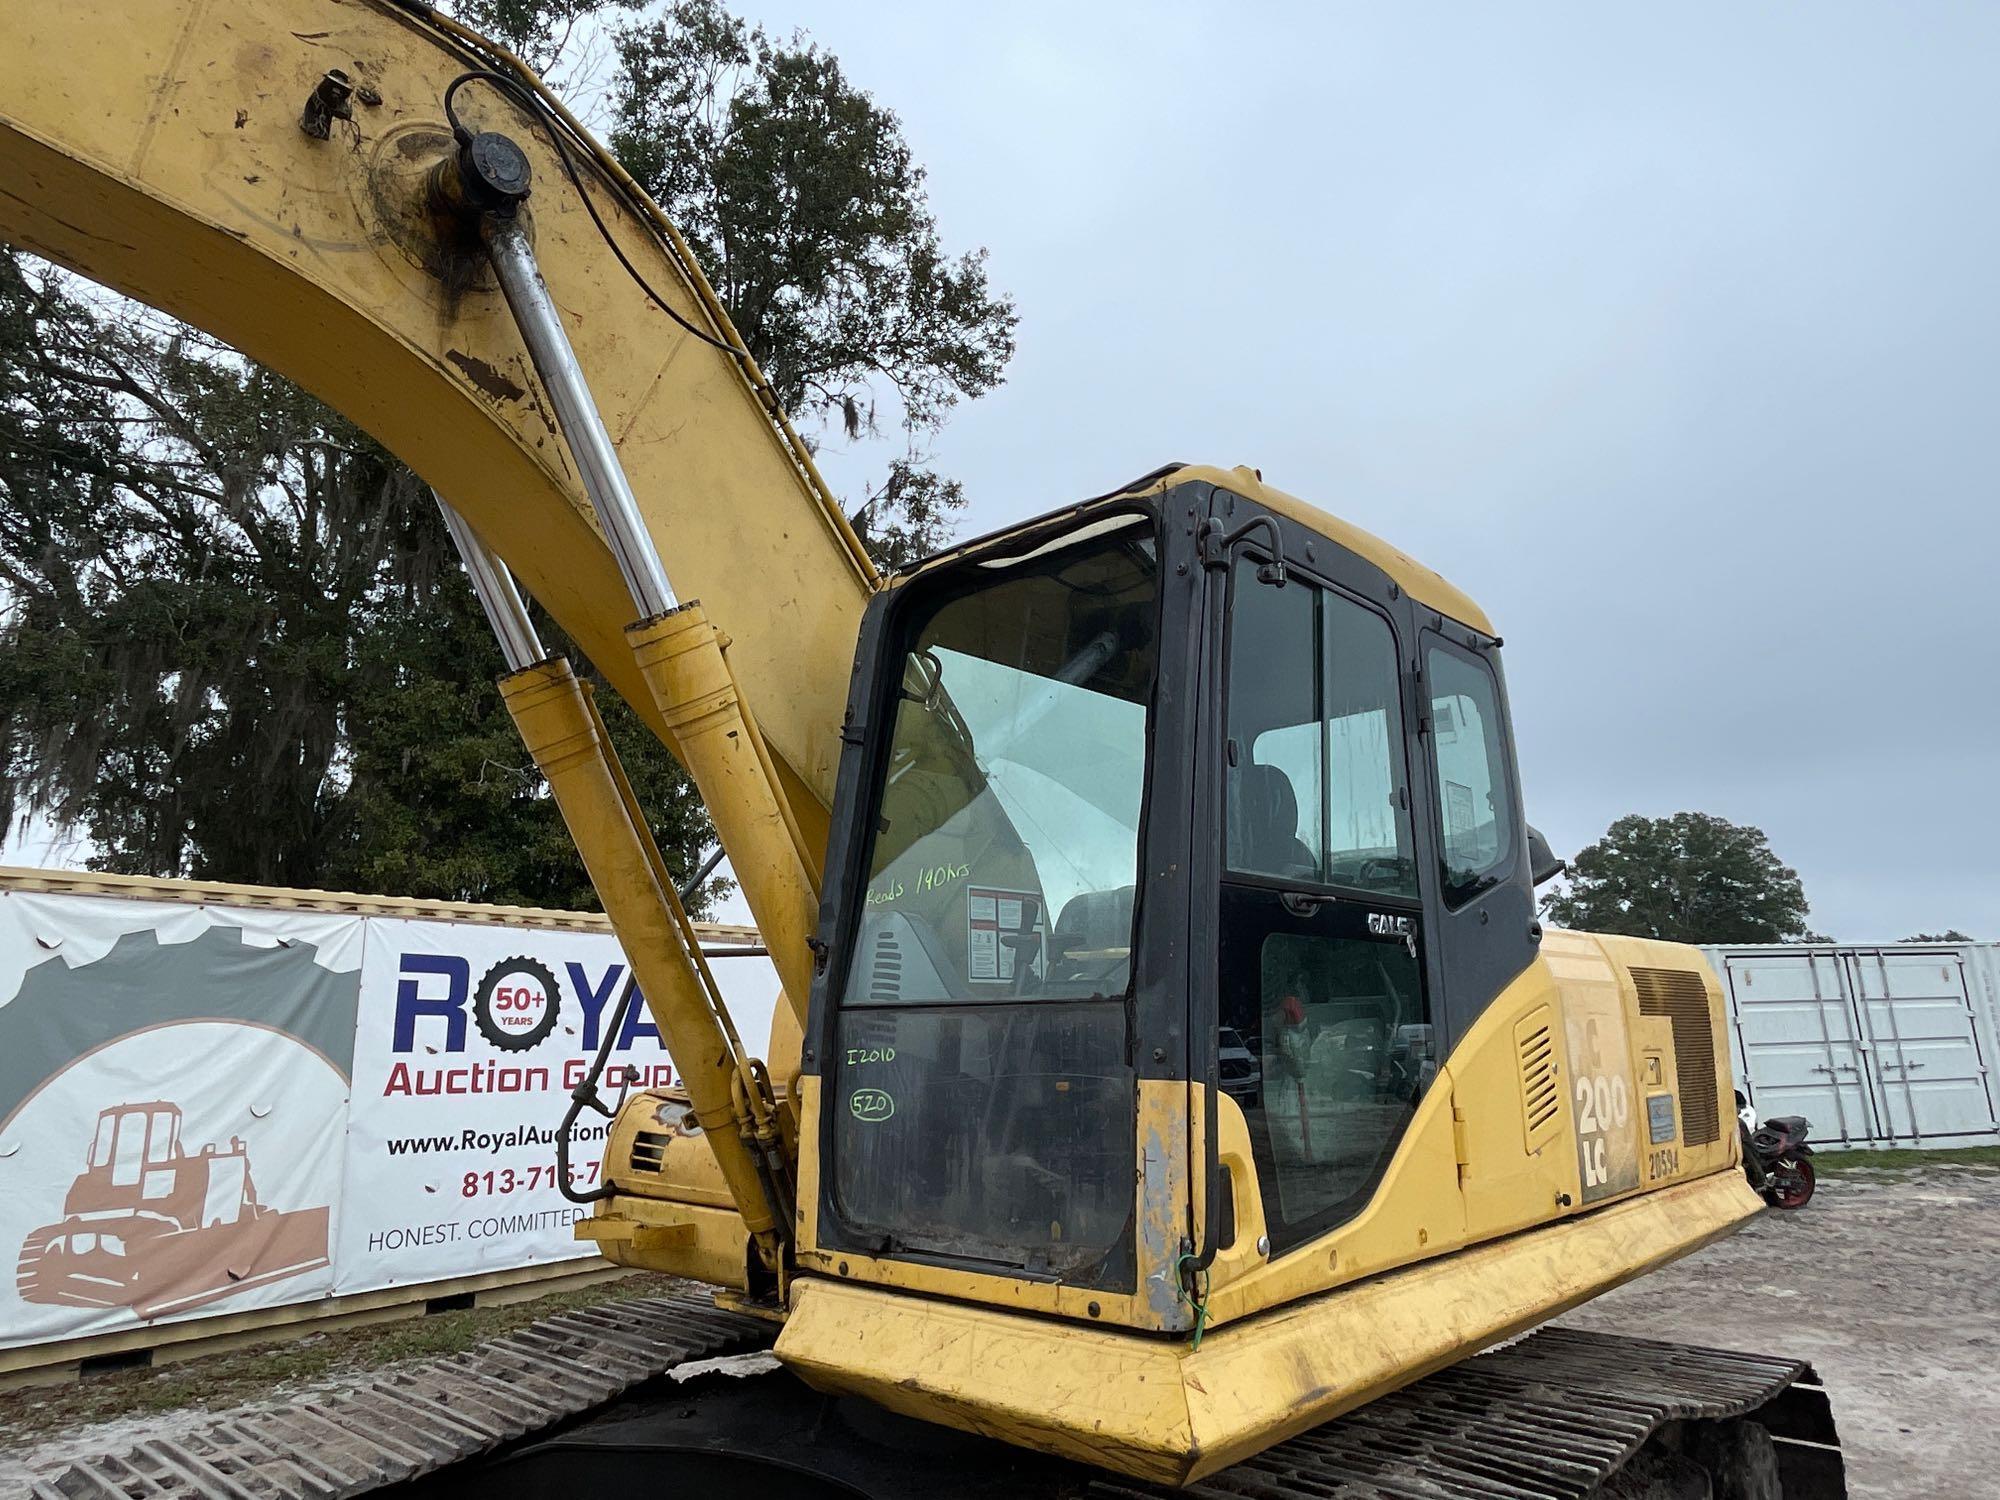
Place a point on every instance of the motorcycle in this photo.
(1776, 1158)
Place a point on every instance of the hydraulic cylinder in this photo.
(681, 655)
(560, 727)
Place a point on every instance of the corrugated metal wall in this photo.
(1885, 1045)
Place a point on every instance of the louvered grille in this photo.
(1541, 1092)
(1680, 996)
(649, 1151)
(1538, 1077)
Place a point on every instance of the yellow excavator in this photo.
(1170, 1061)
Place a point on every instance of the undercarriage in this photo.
(674, 1393)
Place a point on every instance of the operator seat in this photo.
(1093, 939)
(1264, 825)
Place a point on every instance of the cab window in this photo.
(1346, 1055)
(1316, 792)
(1367, 803)
(1277, 747)
(982, 1082)
(1476, 819)
(128, 1149)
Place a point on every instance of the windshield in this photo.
(982, 1085)
(1007, 838)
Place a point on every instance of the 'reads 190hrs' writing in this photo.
(468, 1042)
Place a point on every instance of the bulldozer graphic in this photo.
(155, 1228)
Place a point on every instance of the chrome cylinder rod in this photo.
(505, 610)
(576, 412)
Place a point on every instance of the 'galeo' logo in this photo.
(1383, 925)
(516, 1003)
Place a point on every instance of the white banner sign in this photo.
(469, 1041)
(173, 1086)
(205, 1108)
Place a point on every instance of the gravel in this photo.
(1889, 1283)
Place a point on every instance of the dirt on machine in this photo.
(154, 1227)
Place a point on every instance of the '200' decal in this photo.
(1602, 1103)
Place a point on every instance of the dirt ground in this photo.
(1889, 1283)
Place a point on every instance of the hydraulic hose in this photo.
(585, 1095)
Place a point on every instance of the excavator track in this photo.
(571, 1403)
(417, 1418)
(1555, 1415)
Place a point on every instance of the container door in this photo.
(1928, 1074)
(1800, 1042)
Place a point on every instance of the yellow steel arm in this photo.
(156, 146)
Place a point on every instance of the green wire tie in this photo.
(1199, 1301)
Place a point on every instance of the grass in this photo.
(1904, 1160)
(243, 1375)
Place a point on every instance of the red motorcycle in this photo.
(1776, 1158)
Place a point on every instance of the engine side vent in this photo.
(649, 1151)
(1541, 1095)
(1680, 996)
(885, 974)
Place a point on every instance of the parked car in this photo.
(1242, 1077)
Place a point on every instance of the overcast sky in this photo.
(1669, 333)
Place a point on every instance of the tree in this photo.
(1691, 878)
(803, 203)
(537, 31)
(238, 645)
(234, 641)
(1949, 935)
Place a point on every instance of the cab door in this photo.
(1322, 997)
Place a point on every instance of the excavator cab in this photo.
(1178, 972)
(1176, 772)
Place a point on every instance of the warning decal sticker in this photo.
(1001, 928)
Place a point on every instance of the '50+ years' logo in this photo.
(516, 1003)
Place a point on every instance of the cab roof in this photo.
(1422, 584)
